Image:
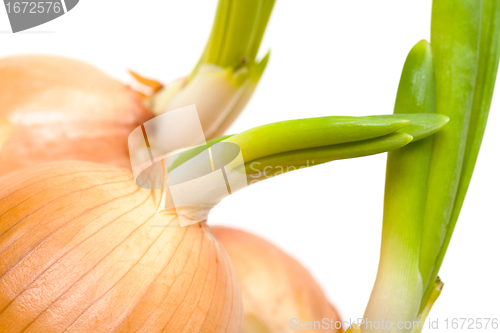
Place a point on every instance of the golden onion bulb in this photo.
(61, 109)
(277, 291)
(83, 249)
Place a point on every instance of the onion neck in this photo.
(236, 34)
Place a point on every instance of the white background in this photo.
(328, 58)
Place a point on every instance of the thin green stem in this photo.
(277, 164)
(298, 134)
(296, 144)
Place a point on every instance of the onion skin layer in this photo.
(62, 109)
(84, 250)
(274, 286)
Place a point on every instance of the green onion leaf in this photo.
(467, 145)
(455, 46)
(298, 134)
(399, 288)
(273, 165)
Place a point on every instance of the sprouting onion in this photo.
(48, 115)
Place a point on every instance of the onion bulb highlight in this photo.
(275, 288)
(85, 250)
(62, 109)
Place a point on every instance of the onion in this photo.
(85, 250)
(62, 109)
(5, 130)
(274, 286)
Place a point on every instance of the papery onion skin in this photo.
(84, 250)
(63, 109)
(274, 286)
